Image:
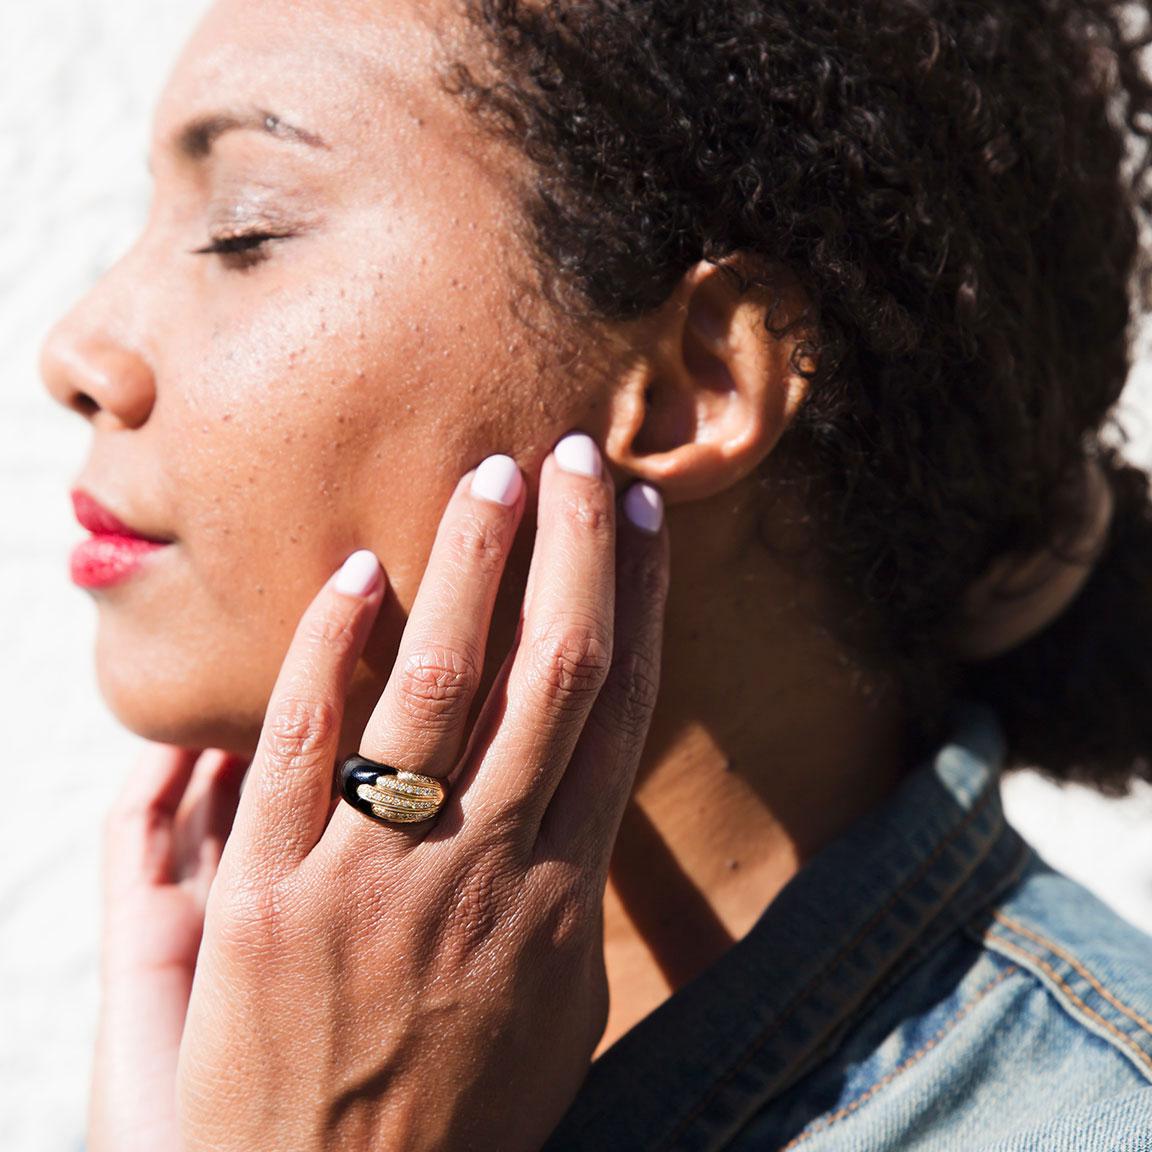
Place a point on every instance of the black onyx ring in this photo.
(390, 795)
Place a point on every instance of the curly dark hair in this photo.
(961, 187)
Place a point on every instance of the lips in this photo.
(114, 551)
(98, 520)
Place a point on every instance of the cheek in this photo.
(306, 424)
(339, 417)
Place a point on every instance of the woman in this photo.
(846, 290)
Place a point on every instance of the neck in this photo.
(765, 746)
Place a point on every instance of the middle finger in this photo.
(419, 722)
(563, 656)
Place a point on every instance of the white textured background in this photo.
(77, 82)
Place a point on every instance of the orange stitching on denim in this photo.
(990, 792)
(1023, 954)
(1131, 1013)
(823, 1123)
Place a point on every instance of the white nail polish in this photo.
(577, 452)
(358, 574)
(644, 507)
(498, 479)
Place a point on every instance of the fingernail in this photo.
(644, 506)
(577, 452)
(359, 574)
(497, 479)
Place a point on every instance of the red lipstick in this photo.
(114, 550)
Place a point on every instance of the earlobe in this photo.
(712, 390)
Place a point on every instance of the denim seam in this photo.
(990, 793)
(995, 890)
(823, 1123)
(1044, 942)
(1025, 957)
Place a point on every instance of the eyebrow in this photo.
(195, 140)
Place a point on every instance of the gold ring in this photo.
(387, 794)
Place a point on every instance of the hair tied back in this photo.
(1019, 596)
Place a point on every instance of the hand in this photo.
(162, 844)
(438, 985)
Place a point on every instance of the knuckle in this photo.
(298, 731)
(568, 916)
(251, 917)
(571, 662)
(477, 544)
(588, 508)
(507, 825)
(647, 579)
(629, 695)
(436, 683)
(477, 904)
(330, 631)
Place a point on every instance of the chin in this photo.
(168, 707)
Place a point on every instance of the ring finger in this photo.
(419, 722)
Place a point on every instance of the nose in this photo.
(91, 369)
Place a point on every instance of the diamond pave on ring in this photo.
(390, 795)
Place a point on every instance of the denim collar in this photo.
(841, 933)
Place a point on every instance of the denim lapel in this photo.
(856, 916)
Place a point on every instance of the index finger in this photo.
(285, 804)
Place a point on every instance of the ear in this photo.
(711, 390)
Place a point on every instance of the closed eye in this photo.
(240, 249)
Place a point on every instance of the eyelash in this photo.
(240, 249)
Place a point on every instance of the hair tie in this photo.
(1019, 596)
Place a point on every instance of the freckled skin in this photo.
(323, 400)
(329, 398)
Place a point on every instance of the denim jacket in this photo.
(926, 981)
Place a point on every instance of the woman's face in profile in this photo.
(321, 327)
